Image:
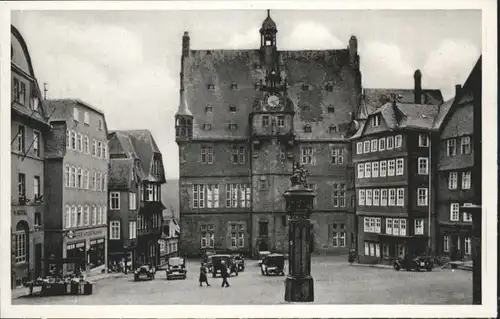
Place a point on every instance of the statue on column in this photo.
(299, 175)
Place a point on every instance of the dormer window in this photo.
(331, 109)
(211, 87)
(376, 120)
(329, 87)
(305, 87)
(207, 127)
(232, 108)
(233, 127)
(234, 86)
(307, 128)
(209, 109)
(332, 129)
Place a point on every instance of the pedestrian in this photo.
(224, 274)
(203, 275)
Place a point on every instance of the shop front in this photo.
(394, 247)
(96, 253)
(75, 251)
(87, 245)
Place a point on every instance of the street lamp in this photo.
(475, 211)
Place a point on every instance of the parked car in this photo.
(417, 263)
(176, 268)
(273, 264)
(239, 261)
(263, 254)
(144, 271)
(215, 264)
(206, 255)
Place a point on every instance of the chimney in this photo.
(418, 87)
(458, 87)
(185, 44)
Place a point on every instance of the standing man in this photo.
(224, 274)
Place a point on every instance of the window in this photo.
(239, 155)
(132, 201)
(99, 149)
(307, 155)
(232, 108)
(232, 195)
(446, 243)
(329, 87)
(21, 133)
(395, 227)
(369, 194)
(207, 155)
(383, 197)
(307, 128)
(366, 147)
(86, 118)
(467, 242)
(374, 145)
(73, 177)
(419, 226)
(198, 196)
(94, 181)
(376, 120)
(466, 180)
(452, 180)
(383, 169)
(399, 166)
(359, 148)
(209, 109)
(36, 143)
(465, 146)
(234, 86)
(75, 114)
(372, 224)
(332, 129)
(423, 166)
(423, 140)
(36, 187)
(338, 239)
(94, 215)
(468, 217)
(150, 192)
(74, 220)
(376, 197)
(375, 169)
(212, 196)
(422, 197)
(114, 230)
(402, 227)
(381, 144)
(391, 165)
(361, 170)
(392, 197)
(398, 141)
(99, 181)
(99, 124)
(390, 142)
(38, 219)
(104, 149)
(207, 236)
(367, 248)
(401, 197)
(79, 216)
(79, 142)
(281, 121)
(21, 243)
(337, 156)
(114, 200)
(67, 216)
(368, 169)
(388, 226)
(265, 121)
(86, 148)
(339, 195)
(132, 229)
(454, 212)
(67, 172)
(210, 87)
(79, 178)
(86, 215)
(94, 147)
(361, 201)
(451, 147)
(68, 139)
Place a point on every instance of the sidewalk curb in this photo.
(373, 266)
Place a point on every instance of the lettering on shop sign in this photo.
(88, 233)
(21, 212)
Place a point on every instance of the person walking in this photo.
(203, 275)
(224, 274)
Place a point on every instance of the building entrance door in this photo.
(38, 260)
(263, 246)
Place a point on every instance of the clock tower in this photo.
(272, 140)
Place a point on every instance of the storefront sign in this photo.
(89, 233)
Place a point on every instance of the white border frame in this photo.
(489, 201)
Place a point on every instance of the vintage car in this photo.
(206, 255)
(239, 261)
(215, 264)
(144, 271)
(176, 268)
(273, 264)
(263, 254)
(417, 263)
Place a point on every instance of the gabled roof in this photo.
(120, 170)
(443, 110)
(373, 99)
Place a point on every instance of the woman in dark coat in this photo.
(203, 275)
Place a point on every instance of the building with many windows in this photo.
(29, 128)
(76, 168)
(458, 170)
(244, 118)
(135, 205)
(393, 175)
(169, 245)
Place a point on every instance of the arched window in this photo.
(21, 242)
(67, 216)
(74, 221)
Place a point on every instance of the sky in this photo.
(127, 63)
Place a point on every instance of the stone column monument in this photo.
(299, 205)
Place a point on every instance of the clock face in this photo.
(273, 101)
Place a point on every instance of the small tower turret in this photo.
(183, 116)
(268, 40)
